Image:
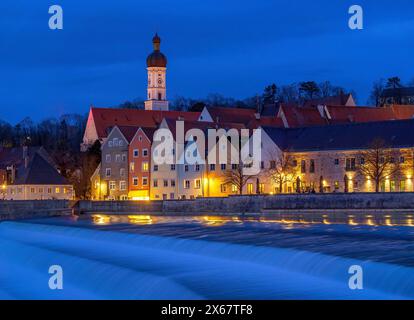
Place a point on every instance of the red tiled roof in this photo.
(105, 118)
(303, 117)
(339, 100)
(231, 115)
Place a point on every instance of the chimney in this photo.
(25, 156)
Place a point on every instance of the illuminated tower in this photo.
(156, 68)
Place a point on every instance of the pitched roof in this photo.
(302, 116)
(355, 136)
(339, 100)
(106, 118)
(231, 115)
(40, 169)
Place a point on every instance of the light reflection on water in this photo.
(286, 222)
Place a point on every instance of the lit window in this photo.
(197, 184)
(234, 188)
(122, 185)
(145, 166)
(57, 190)
(112, 185)
(250, 188)
(132, 167)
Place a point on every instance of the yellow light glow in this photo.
(145, 198)
(140, 219)
(101, 219)
(3, 186)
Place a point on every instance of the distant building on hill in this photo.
(397, 96)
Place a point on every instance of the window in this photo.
(135, 181)
(165, 183)
(144, 181)
(382, 186)
(155, 183)
(402, 186)
(392, 186)
(303, 166)
(261, 188)
(212, 167)
(118, 158)
(112, 185)
(234, 166)
(197, 167)
(124, 157)
(234, 188)
(336, 185)
(272, 164)
(132, 167)
(144, 152)
(402, 159)
(172, 182)
(32, 190)
(362, 161)
(122, 172)
(110, 143)
(223, 188)
(115, 141)
(40, 190)
(186, 167)
(186, 184)
(336, 161)
(155, 167)
(121, 143)
(159, 96)
(122, 185)
(108, 172)
(295, 163)
(350, 164)
(108, 158)
(197, 183)
(261, 164)
(135, 153)
(172, 195)
(173, 167)
(139, 138)
(250, 188)
(49, 190)
(223, 166)
(145, 166)
(312, 166)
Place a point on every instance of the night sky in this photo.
(232, 47)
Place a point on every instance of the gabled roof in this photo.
(355, 136)
(339, 100)
(40, 167)
(106, 118)
(231, 115)
(302, 117)
(39, 171)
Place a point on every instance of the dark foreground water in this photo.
(383, 243)
(205, 257)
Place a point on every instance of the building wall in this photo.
(38, 192)
(139, 155)
(114, 167)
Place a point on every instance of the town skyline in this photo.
(54, 78)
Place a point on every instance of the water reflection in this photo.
(286, 221)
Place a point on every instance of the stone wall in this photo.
(20, 209)
(259, 204)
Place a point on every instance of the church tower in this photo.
(156, 68)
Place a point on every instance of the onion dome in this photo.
(156, 58)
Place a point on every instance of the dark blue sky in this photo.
(232, 47)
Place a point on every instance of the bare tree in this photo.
(377, 88)
(236, 176)
(379, 162)
(282, 169)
